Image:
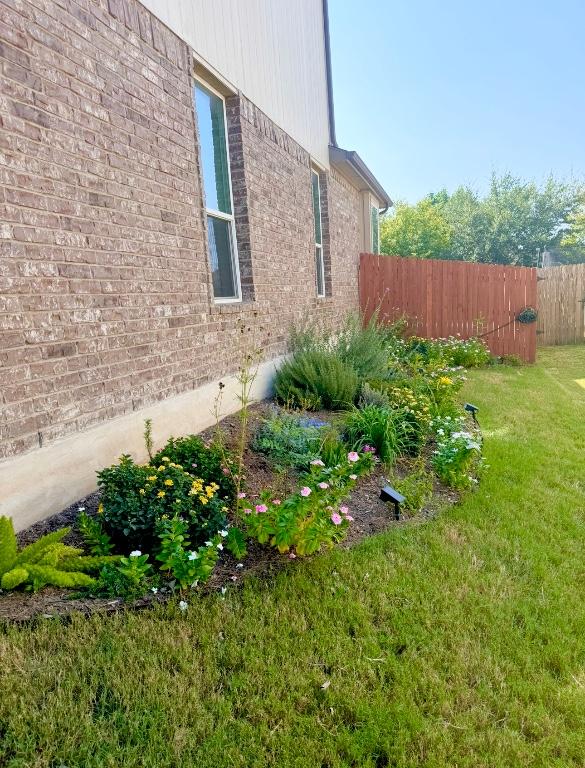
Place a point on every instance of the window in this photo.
(319, 265)
(375, 229)
(210, 109)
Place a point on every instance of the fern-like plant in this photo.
(45, 561)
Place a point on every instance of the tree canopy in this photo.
(512, 224)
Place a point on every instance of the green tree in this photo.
(513, 223)
(415, 230)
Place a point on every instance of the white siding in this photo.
(271, 50)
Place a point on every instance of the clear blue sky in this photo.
(434, 94)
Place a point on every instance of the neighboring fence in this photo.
(561, 305)
(449, 298)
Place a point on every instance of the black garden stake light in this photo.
(389, 494)
(472, 409)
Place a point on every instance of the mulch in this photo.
(371, 516)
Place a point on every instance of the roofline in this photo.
(350, 158)
(328, 71)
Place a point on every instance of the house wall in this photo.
(106, 313)
(257, 46)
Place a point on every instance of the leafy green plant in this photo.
(288, 439)
(95, 538)
(188, 567)
(314, 516)
(148, 441)
(317, 376)
(457, 457)
(129, 578)
(333, 450)
(45, 561)
(371, 396)
(134, 497)
(377, 427)
(235, 543)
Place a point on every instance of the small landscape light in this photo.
(390, 494)
(472, 409)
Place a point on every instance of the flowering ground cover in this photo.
(456, 642)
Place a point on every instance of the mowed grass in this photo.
(459, 642)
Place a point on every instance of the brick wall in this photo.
(105, 290)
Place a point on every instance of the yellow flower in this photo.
(161, 494)
(445, 380)
(162, 466)
(203, 499)
(152, 478)
(142, 491)
(165, 458)
(100, 509)
(168, 481)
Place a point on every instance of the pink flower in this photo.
(353, 477)
(349, 518)
(261, 508)
(317, 463)
(225, 470)
(353, 456)
(247, 511)
(344, 510)
(336, 518)
(305, 491)
(241, 495)
(369, 449)
(292, 556)
(276, 501)
(234, 578)
(323, 486)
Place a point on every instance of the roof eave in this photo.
(351, 164)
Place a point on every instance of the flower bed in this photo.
(265, 486)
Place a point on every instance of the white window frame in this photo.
(220, 214)
(318, 246)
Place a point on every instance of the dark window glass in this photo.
(225, 284)
(214, 158)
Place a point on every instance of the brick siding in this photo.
(105, 288)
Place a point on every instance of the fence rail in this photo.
(449, 298)
(561, 305)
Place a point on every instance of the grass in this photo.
(459, 642)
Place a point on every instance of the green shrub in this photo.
(316, 377)
(469, 353)
(129, 578)
(45, 561)
(377, 427)
(195, 457)
(333, 450)
(363, 346)
(371, 396)
(289, 440)
(134, 497)
(413, 413)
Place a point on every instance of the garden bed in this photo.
(354, 412)
(371, 516)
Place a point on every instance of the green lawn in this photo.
(460, 642)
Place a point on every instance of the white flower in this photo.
(183, 605)
(154, 590)
(239, 565)
(81, 509)
(223, 534)
(223, 590)
(193, 556)
(220, 545)
(208, 543)
(135, 553)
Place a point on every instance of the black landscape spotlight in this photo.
(472, 409)
(390, 494)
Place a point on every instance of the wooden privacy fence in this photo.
(561, 305)
(450, 298)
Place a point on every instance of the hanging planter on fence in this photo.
(527, 315)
